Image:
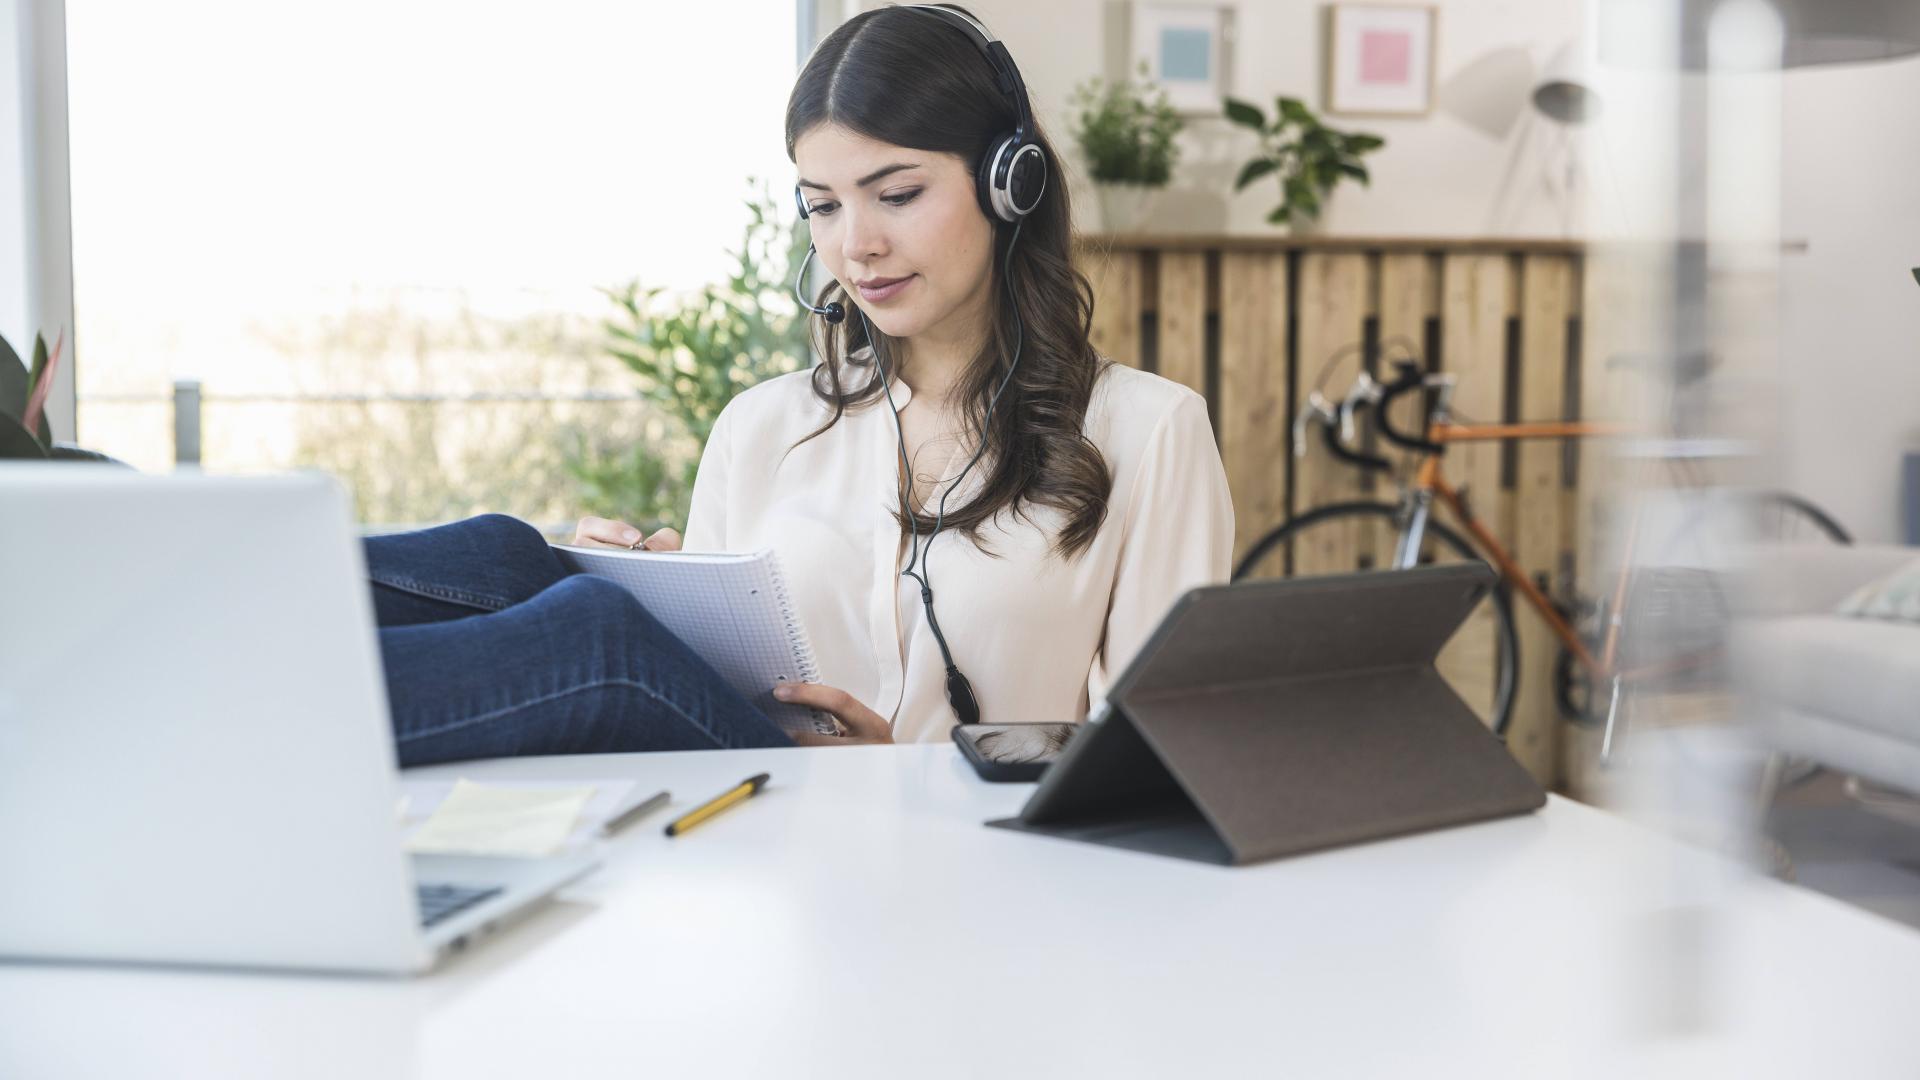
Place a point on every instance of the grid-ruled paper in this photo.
(732, 610)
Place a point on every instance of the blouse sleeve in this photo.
(707, 513)
(1178, 533)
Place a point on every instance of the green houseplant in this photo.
(1307, 157)
(1126, 131)
(690, 355)
(24, 433)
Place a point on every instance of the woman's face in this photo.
(900, 230)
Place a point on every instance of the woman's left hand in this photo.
(862, 725)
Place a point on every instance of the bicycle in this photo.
(1594, 656)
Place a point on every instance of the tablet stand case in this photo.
(1270, 718)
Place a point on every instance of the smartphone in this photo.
(1012, 753)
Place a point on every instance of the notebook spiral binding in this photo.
(799, 643)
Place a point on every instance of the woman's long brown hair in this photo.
(910, 79)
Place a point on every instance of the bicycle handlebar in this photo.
(1411, 378)
(1319, 410)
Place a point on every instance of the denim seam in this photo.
(497, 713)
(440, 592)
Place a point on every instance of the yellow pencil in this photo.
(746, 790)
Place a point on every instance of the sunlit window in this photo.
(379, 233)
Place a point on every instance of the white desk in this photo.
(855, 920)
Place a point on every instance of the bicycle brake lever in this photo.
(1317, 405)
(1364, 389)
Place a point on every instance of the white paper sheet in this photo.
(487, 819)
(610, 798)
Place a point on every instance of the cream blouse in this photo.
(1038, 637)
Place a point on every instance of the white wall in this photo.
(13, 180)
(1850, 334)
(1483, 164)
(36, 270)
(1476, 167)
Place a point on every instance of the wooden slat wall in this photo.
(1255, 410)
(1477, 304)
(1117, 304)
(1285, 307)
(1548, 298)
(1409, 296)
(1331, 317)
(1625, 299)
(1182, 310)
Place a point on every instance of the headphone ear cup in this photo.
(1026, 179)
(800, 202)
(1011, 180)
(983, 185)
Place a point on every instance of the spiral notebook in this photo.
(732, 610)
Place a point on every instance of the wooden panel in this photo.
(1564, 449)
(1116, 304)
(1271, 242)
(1475, 298)
(1333, 298)
(1621, 313)
(1182, 303)
(1547, 296)
(1254, 411)
(1477, 291)
(1624, 310)
(1409, 295)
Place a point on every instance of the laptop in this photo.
(196, 762)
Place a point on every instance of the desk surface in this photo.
(856, 920)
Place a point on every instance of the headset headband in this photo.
(1008, 75)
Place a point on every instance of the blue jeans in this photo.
(493, 650)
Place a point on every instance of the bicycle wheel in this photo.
(1483, 659)
(1784, 518)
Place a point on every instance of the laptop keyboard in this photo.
(440, 902)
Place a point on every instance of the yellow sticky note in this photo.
(476, 819)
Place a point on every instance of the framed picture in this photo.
(1188, 50)
(1380, 59)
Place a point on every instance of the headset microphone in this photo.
(833, 313)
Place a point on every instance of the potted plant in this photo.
(1306, 156)
(23, 400)
(24, 432)
(690, 354)
(1125, 130)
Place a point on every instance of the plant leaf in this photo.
(45, 366)
(13, 382)
(1254, 170)
(1245, 115)
(1358, 172)
(17, 443)
(39, 368)
(1358, 143)
(1296, 110)
(1279, 215)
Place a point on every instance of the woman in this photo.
(1057, 505)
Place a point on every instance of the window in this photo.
(376, 232)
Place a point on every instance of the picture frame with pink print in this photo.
(1380, 59)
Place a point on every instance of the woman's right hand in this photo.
(601, 532)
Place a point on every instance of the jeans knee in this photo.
(608, 622)
(508, 535)
(604, 605)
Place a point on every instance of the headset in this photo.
(1008, 183)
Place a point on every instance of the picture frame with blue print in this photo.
(1186, 49)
